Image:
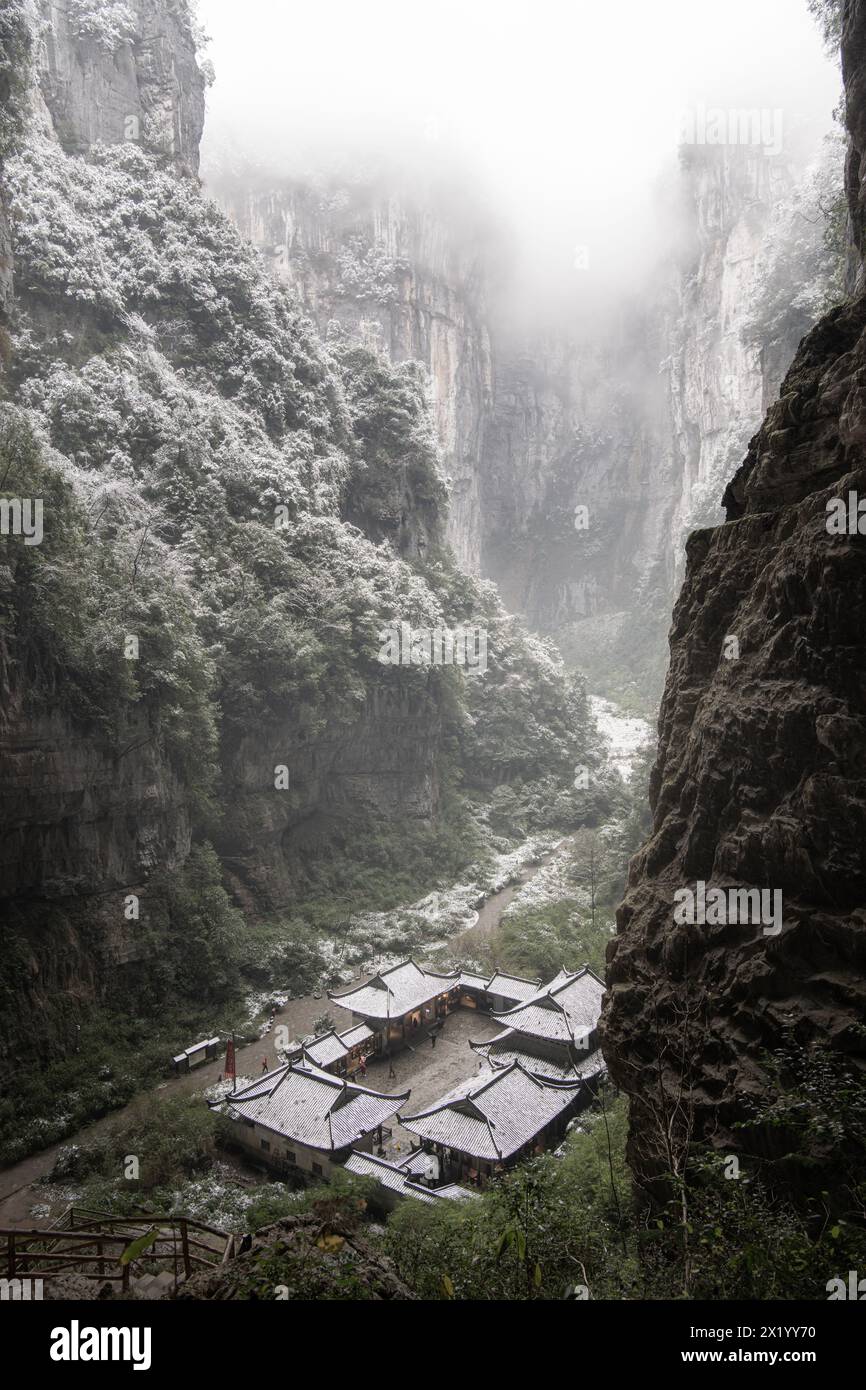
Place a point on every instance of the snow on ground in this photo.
(624, 734)
(553, 882)
(218, 1199)
(220, 1089)
(381, 939)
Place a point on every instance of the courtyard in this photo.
(431, 1071)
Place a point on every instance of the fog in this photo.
(561, 120)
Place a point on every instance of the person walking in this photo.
(264, 1065)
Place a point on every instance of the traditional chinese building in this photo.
(302, 1120)
(397, 1181)
(499, 991)
(400, 1003)
(340, 1053)
(553, 1033)
(486, 1125)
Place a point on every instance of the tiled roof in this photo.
(493, 1117)
(510, 1046)
(509, 986)
(395, 1177)
(395, 991)
(567, 1010)
(512, 986)
(331, 1047)
(472, 981)
(312, 1107)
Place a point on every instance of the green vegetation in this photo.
(828, 16)
(67, 607)
(186, 976)
(803, 265)
(541, 941)
(573, 1226)
(170, 1138)
(252, 507)
(15, 45)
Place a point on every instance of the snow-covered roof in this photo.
(472, 981)
(328, 1048)
(494, 1118)
(512, 986)
(566, 1065)
(397, 1179)
(312, 1107)
(396, 991)
(567, 1010)
(508, 986)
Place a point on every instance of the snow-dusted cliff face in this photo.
(645, 425)
(124, 71)
(389, 274)
(731, 342)
(758, 782)
(237, 515)
(640, 421)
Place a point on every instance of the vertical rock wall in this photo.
(758, 782)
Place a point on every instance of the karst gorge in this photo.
(431, 659)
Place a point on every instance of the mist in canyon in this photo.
(558, 125)
(537, 207)
(431, 415)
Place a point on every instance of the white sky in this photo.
(563, 110)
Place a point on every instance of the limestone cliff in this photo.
(121, 72)
(389, 272)
(190, 655)
(644, 424)
(757, 783)
(640, 419)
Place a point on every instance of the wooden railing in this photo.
(91, 1244)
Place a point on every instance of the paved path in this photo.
(429, 1072)
(17, 1195)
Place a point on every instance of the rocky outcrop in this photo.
(320, 1254)
(122, 72)
(384, 767)
(83, 814)
(642, 426)
(757, 785)
(387, 272)
(580, 481)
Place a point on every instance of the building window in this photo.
(266, 1146)
(318, 1170)
(290, 1156)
